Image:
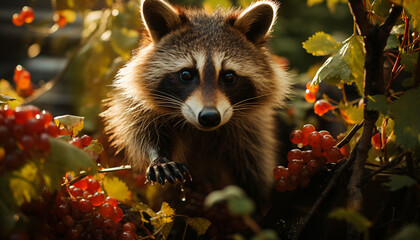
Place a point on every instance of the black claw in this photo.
(175, 171)
(168, 174)
(151, 175)
(159, 174)
(182, 167)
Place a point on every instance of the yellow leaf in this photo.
(200, 225)
(310, 3)
(116, 188)
(163, 217)
(23, 183)
(321, 44)
(7, 89)
(144, 208)
(70, 122)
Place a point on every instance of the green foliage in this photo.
(321, 44)
(200, 225)
(409, 232)
(359, 222)
(238, 202)
(398, 182)
(413, 8)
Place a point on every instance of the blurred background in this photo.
(79, 56)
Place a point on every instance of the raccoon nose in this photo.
(209, 117)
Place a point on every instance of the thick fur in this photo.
(148, 124)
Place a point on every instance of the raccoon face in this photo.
(205, 67)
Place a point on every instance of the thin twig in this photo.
(395, 161)
(326, 191)
(350, 135)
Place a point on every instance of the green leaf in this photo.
(345, 65)
(117, 188)
(409, 61)
(409, 232)
(241, 206)
(378, 103)
(200, 225)
(63, 158)
(266, 234)
(7, 219)
(331, 4)
(358, 221)
(245, 3)
(95, 146)
(392, 42)
(381, 8)
(407, 119)
(321, 44)
(398, 182)
(229, 192)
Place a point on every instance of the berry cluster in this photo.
(26, 15)
(302, 164)
(22, 79)
(85, 212)
(24, 131)
(310, 94)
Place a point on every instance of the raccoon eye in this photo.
(229, 78)
(186, 76)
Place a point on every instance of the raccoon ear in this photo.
(159, 17)
(257, 20)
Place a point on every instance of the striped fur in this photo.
(146, 120)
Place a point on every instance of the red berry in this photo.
(85, 206)
(28, 143)
(4, 134)
(75, 192)
(280, 172)
(321, 107)
(93, 185)
(62, 210)
(18, 131)
(106, 210)
(295, 167)
(34, 126)
(97, 199)
(108, 226)
(86, 140)
(296, 136)
(314, 139)
(27, 14)
(376, 141)
(68, 221)
(304, 181)
(333, 155)
(52, 129)
(76, 142)
(324, 132)
(313, 166)
(60, 19)
(17, 20)
(317, 151)
(129, 226)
(327, 142)
(307, 129)
(294, 154)
(117, 215)
(43, 143)
(47, 117)
(65, 132)
(281, 185)
(310, 97)
(312, 88)
(111, 201)
(292, 182)
(128, 235)
(97, 220)
(307, 156)
(82, 183)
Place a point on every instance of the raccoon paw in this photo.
(161, 169)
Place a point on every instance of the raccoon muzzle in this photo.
(209, 117)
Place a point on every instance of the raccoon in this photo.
(199, 96)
